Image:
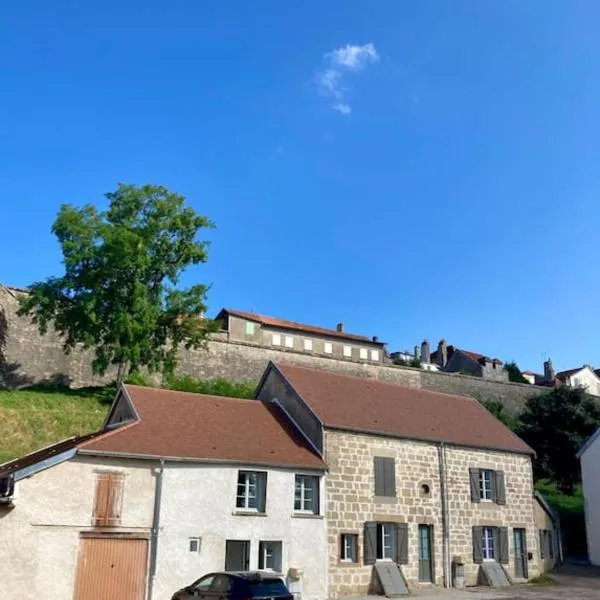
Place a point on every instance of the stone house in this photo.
(589, 458)
(454, 360)
(289, 336)
(547, 522)
(418, 478)
(174, 486)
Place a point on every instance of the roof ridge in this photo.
(109, 432)
(167, 390)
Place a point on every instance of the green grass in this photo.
(542, 580)
(36, 417)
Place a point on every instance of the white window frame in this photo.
(347, 352)
(307, 499)
(328, 348)
(249, 491)
(289, 341)
(375, 355)
(488, 551)
(308, 345)
(387, 533)
(270, 551)
(198, 542)
(249, 328)
(349, 543)
(485, 486)
(276, 339)
(363, 354)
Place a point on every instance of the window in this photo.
(375, 355)
(385, 476)
(485, 484)
(276, 339)
(349, 547)
(487, 548)
(363, 354)
(269, 556)
(194, 545)
(251, 491)
(348, 351)
(308, 345)
(306, 494)
(546, 545)
(249, 328)
(289, 341)
(109, 500)
(386, 541)
(203, 585)
(328, 348)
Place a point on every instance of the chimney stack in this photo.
(425, 353)
(416, 352)
(442, 356)
(340, 327)
(548, 371)
(375, 338)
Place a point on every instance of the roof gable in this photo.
(381, 408)
(588, 444)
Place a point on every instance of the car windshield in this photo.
(268, 587)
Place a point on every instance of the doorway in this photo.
(426, 553)
(521, 571)
(237, 555)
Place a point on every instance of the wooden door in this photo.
(520, 554)
(111, 568)
(426, 553)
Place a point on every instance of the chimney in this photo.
(375, 338)
(340, 327)
(548, 371)
(442, 356)
(425, 354)
(416, 352)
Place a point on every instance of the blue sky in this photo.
(415, 169)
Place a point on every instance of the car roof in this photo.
(252, 576)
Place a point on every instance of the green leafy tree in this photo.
(119, 292)
(556, 425)
(499, 411)
(514, 373)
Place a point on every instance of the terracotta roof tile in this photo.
(283, 324)
(370, 405)
(196, 426)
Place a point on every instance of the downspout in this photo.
(155, 526)
(447, 567)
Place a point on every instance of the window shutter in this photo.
(370, 543)
(389, 469)
(402, 543)
(525, 555)
(100, 514)
(261, 492)
(115, 499)
(499, 488)
(379, 476)
(503, 545)
(474, 479)
(542, 544)
(316, 500)
(477, 545)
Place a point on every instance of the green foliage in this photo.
(514, 373)
(137, 378)
(543, 580)
(499, 411)
(413, 362)
(556, 425)
(214, 387)
(118, 294)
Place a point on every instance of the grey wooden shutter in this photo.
(477, 545)
(500, 489)
(402, 543)
(370, 543)
(550, 545)
(525, 556)
(261, 492)
(378, 467)
(503, 545)
(474, 479)
(316, 495)
(389, 470)
(542, 544)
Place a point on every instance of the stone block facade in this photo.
(351, 502)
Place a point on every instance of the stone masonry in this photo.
(351, 503)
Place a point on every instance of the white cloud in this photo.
(349, 59)
(343, 108)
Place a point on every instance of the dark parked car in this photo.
(242, 585)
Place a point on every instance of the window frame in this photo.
(198, 542)
(488, 546)
(328, 347)
(276, 553)
(308, 345)
(386, 530)
(363, 354)
(347, 351)
(275, 339)
(250, 328)
(315, 499)
(486, 491)
(288, 341)
(349, 552)
(246, 496)
(375, 355)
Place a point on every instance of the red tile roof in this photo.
(369, 405)
(293, 325)
(213, 428)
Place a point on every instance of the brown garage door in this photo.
(111, 568)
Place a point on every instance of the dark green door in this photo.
(426, 553)
(520, 554)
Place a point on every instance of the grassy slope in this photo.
(33, 418)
